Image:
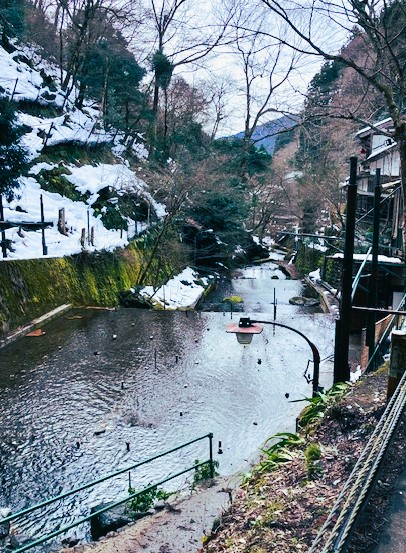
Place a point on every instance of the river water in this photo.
(104, 389)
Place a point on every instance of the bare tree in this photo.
(381, 28)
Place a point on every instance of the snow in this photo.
(384, 148)
(181, 291)
(20, 80)
(362, 256)
(28, 245)
(315, 275)
(378, 124)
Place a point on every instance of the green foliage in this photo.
(53, 180)
(203, 473)
(77, 154)
(280, 452)
(13, 160)
(249, 158)
(272, 512)
(145, 500)
(308, 259)
(111, 75)
(320, 88)
(162, 68)
(312, 460)
(220, 211)
(233, 299)
(12, 20)
(319, 404)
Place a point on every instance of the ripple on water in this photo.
(68, 414)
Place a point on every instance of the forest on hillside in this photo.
(147, 68)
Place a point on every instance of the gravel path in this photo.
(178, 528)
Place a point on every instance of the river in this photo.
(104, 389)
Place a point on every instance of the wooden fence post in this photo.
(61, 221)
(3, 234)
(44, 246)
(83, 237)
(92, 236)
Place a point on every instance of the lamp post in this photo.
(246, 328)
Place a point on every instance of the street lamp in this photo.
(246, 328)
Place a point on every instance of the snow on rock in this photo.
(180, 292)
(315, 275)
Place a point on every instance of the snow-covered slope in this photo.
(24, 76)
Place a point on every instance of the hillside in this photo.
(64, 145)
(271, 135)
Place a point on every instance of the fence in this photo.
(27, 511)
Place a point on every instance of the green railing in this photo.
(64, 529)
(359, 274)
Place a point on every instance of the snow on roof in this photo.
(362, 256)
(378, 124)
(385, 147)
(390, 184)
(181, 291)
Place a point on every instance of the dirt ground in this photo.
(281, 511)
(278, 511)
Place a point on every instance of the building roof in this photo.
(381, 123)
(382, 149)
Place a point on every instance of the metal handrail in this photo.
(28, 510)
(340, 523)
(358, 275)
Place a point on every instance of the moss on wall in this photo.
(308, 259)
(29, 288)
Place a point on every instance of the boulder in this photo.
(4, 528)
(306, 302)
(109, 521)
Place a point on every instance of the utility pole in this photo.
(373, 284)
(342, 338)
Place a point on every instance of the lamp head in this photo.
(244, 330)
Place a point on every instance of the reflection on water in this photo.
(73, 399)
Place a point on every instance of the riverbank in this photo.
(279, 510)
(31, 287)
(178, 527)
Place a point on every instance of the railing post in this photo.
(373, 284)
(341, 365)
(211, 455)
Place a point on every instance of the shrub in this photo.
(312, 460)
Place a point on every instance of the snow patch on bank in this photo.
(182, 291)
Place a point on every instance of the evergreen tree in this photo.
(12, 14)
(12, 156)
